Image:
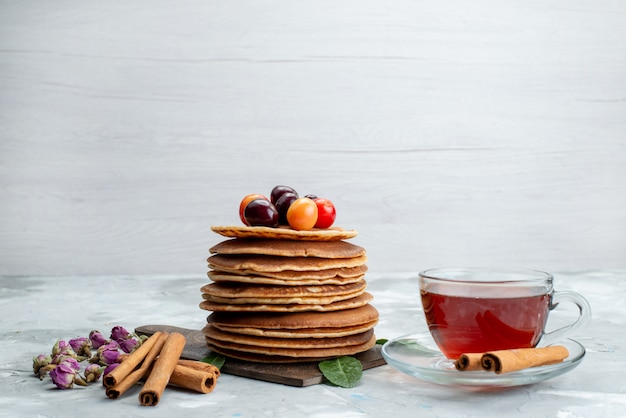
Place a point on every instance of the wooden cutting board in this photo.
(299, 374)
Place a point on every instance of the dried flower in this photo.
(63, 348)
(97, 339)
(63, 364)
(42, 365)
(108, 353)
(110, 368)
(129, 345)
(81, 346)
(71, 361)
(109, 356)
(119, 333)
(40, 361)
(63, 375)
(93, 372)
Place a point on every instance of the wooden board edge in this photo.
(268, 372)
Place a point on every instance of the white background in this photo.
(446, 132)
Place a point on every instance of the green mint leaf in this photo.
(343, 371)
(381, 341)
(215, 359)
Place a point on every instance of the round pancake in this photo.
(300, 300)
(355, 302)
(343, 272)
(284, 248)
(302, 354)
(330, 234)
(263, 358)
(216, 335)
(297, 320)
(300, 333)
(218, 276)
(238, 290)
(271, 263)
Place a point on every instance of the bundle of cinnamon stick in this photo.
(505, 361)
(157, 361)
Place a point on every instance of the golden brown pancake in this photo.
(262, 358)
(301, 300)
(239, 290)
(300, 333)
(303, 354)
(294, 280)
(284, 248)
(331, 273)
(354, 302)
(330, 234)
(297, 320)
(270, 263)
(258, 342)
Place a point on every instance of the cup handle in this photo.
(583, 320)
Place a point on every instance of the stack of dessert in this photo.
(280, 295)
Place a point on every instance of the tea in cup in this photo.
(475, 310)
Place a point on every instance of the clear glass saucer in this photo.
(417, 355)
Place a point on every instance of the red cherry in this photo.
(326, 213)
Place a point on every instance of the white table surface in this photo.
(36, 311)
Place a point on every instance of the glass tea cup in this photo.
(474, 310)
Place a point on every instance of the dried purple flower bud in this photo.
(62, 347)
(45, 370)
(109, 355)
(81, 346)
(40, 361)
(110, 368)
(129, 345)
(70, 361)
(77, 343)
(63, 375)
(106, 354)
(97, 339)
(110, 345)
(119, 333)
(93, 372)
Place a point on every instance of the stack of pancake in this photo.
(279, 295)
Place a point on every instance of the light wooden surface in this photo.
(596, 388)
(446, 132)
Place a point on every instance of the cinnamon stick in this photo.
(194, 375)
(203, 378)
(131, 362)
(128, 381)
(199, 365)
(162, 371)
(201, 381)
(194, 364)
(469, 362)
(505, 361)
